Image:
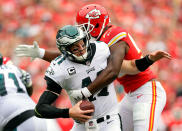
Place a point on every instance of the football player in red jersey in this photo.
(145, 97)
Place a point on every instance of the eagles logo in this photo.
(50, 71)
(93, 14)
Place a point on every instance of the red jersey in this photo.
(130, 82)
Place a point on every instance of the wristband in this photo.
(143, 63)
(149, 60)
(86, 92)
(41, 52)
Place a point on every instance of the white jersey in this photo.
(71, 76)
(14, 98)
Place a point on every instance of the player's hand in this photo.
(76, 95)
(26, 79)
(157, 55)
(80, 94)
(30, 51)
(77, 114)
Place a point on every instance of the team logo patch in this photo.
(91, 123)
(93, 14)
(71, 71)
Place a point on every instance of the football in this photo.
(87, 105)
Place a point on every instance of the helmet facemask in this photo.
(69, 36)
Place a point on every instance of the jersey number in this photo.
(103, 92)
(3, 90)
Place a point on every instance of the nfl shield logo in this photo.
(91, 123)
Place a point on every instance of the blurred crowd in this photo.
(154, 25)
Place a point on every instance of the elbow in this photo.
(38, 112)
(113, 73)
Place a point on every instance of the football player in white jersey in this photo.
(80, 63)
(16, 106)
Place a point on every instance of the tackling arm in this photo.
(34, 51)
(112, 70)
(50, 55)
(129, 67)
(133, 67)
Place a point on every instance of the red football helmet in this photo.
(93, 15)
(7, 61)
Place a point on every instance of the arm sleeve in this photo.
(44, 108)
(52, 85)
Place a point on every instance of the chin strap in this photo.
(81, 58)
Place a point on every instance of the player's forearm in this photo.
(129, 67)
(50, 112)
(50, 55)
(102, 80)
(112, 70)
(136, 66)
(44, 108)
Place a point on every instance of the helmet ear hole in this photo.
(67, 48)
